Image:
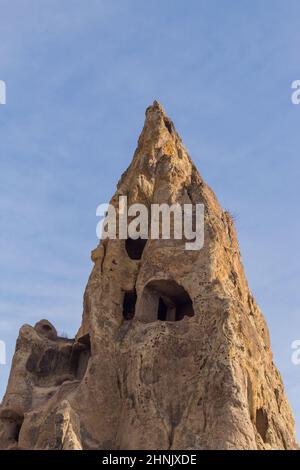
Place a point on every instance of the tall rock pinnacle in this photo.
(173, 351)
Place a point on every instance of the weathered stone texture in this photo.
(131, 381)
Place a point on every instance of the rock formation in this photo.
(173, 351)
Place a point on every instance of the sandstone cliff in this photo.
(134, 378)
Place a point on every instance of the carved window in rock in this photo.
(11, 423)
(80, 356)
(262, 423)
(129, 303)
(135, 248)
(165, 300)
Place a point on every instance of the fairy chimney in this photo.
(173, 351)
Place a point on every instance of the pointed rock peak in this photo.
(158, 127)
(157, 117)
(157, 107)
(159, 152)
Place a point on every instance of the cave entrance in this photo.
(262, 424)
(162, 311)
(129, 305)
(80, 356)
(11, 423)
(135, 248)
(165, 300)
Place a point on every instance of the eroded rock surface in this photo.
(173, 351)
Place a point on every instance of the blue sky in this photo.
(79, 76)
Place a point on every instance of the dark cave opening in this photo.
(129, 305)
(162, 310)
(135, 248)
(168, 125)
(80, 356)
(46, 327)
(11, 423)
(165, 300)
(17, 429)
(262, 423)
